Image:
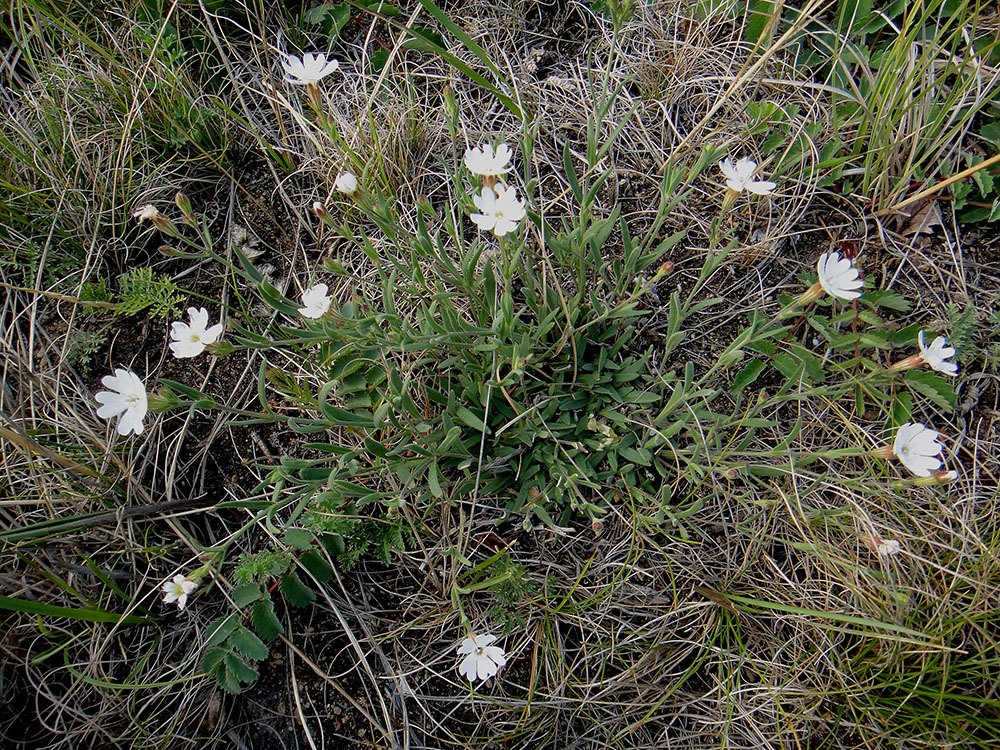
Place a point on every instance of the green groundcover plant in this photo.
(501, 363)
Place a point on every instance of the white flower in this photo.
(126, 400)
(917, 447)
(178, 589)
(191, 340)
(482, 660)
(501, 210)
(838, 276)
(149, 211)
(315, 302)
(887, 547)
(311, 68)
(740, 177)
(346, 183)
(934, 356)
(487, 162)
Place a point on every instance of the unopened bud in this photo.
(184, 206)
(424, 204)
(597, 526)
(450, 107)
(163, 400)
(937, 478)
(220, 348)
(165, 225)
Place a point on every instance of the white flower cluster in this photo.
(500, 210)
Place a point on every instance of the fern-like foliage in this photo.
(964, 325)
(141, 289)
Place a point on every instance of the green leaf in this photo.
(212, 658)
(238, 668)
(227, 679)
(331, 19)
(51, 610)
(800, 364)
(747, 375)
(245, 594)
(219, 629)
(902, 409)
(433, 482)
(296, 593)
(934, 387)
(468, 418)
(264, 621)
(248, 644)
(317, 565)
(760, 13)
(301, 539)
(887, 298)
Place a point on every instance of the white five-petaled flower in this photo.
(191, 340)
(312, 67)
(126, 400)
(315, 301)
(934, 356)
(739, 177)
(177, 590)
(501, 210)
(346, 183)
(917, 446)
(149, 211)
(486, 161)
(838, 276)
(482, 660)
(887, 547)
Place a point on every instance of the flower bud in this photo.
(220, 348)
(450, 107)
(184, 206)
(937, 478)
(163, 400)
(424, 204)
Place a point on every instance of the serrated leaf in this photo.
(245, 594)
(317, 565)
(227, 679)
(300, 538)
(747, 375)
(296, 593)
(212, 658)
(219, 629)
(248, 644)
(933, 387)
(264, 621)
(239, 669)
(334, 544)
(888, 298)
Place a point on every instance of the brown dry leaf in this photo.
(926, 217)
